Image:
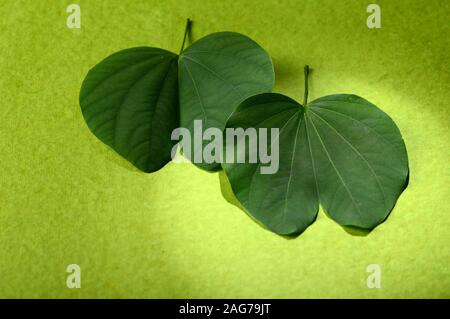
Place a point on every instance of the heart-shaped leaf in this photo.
(130, 102)
(217, 73)
(339, 150)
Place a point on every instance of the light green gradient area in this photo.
(66, 198)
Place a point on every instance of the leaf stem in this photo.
(305, 98)
(187, 30)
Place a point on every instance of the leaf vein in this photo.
(291, 171)
(202, 106)
(270, 148)
(335, 168)
(311, 155)
(359, 154)
(227, 55)
(216, 75)
(353, 119)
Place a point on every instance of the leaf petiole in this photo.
(305, 98)
(187, 30)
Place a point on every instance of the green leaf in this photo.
(339, 150)
(130, 102)
(217, 73)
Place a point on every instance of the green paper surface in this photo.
(66, 198)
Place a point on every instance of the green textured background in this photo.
(66, 198)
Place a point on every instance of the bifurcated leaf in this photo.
(339, 150)
(131, 100)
